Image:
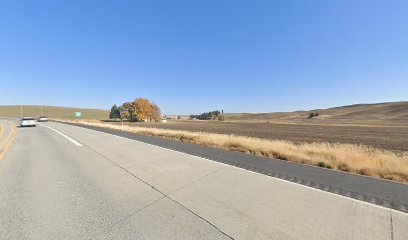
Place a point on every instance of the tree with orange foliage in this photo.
(140, 110)
(142, 106)
(154, 113)
(128, 107)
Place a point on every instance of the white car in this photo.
(43, 119)
(27, 122)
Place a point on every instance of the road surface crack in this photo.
(125, 218)
(392, 226)
(154, 188)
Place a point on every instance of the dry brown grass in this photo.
(353, 158)
(385, 137)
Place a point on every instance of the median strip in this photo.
(8, 140)
(1, 129)
(8, 136)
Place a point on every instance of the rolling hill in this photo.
(52, 112)
(378, 112)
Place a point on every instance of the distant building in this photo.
(175, 117)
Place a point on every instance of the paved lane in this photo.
(116, 188)
(53, 189)
(373, 190)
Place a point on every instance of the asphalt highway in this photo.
(59, 181)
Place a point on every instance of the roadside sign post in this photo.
(78, 115)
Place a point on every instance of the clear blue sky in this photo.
(194, 56)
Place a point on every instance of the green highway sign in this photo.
(77, 114)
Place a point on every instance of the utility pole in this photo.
(41, 111)
(21, 111)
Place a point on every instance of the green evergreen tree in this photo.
(114, 113)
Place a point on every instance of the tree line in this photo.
(212, 115)
(140, 110)
(312, 115)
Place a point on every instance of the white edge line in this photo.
(243, 169)
(65, 136)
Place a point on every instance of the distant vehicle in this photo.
(27, 122)
(43, 119)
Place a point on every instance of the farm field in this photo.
(384, 137)
(381, 125)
